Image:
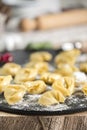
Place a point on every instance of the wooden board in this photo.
(67, 122)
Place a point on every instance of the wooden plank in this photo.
(66, 122)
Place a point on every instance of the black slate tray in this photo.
(75, 104)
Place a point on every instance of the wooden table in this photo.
(66, 122)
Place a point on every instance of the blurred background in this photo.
(48, 23)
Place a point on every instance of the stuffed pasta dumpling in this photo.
(51, 97)
(14, 93)
(25, 74)
(66, 69)
(39, 66)
(35, 87)
(41, 56)
(11, 69)
(83, 67)
(84, 89)
(4, 82)
(67, 57)
(49, 77)
(65, 85)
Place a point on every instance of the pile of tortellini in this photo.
(61, 73)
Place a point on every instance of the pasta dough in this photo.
(25, 75)
(14, 93)
(35, 87)
(58, 85)
(67, 57)
(83, 67)
(4, 82)
(64, 85)
(70, 84)
(50, 77)
(41, 56)
(40, 66)
(51, 97)
(66, 70)
(11, 69)
(84, 88)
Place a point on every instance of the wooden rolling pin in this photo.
(28, 24)
(63, 19)
(68, 18)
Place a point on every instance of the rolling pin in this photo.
(27, 24)
(64, 19)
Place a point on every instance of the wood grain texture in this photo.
(67, 122)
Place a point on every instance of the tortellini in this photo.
(66, 70)
(25, 75)
(51, 97)
(65, 85)
(41, 56)
(49, 77)
(84, 88)
(58, 85)
(4, 82)
(70, 84)
(52, 82)
(67, 57)
(35, 87)
(40, 66)
(14, 93)
(2, 72)
(83, 67)
(11, 69)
